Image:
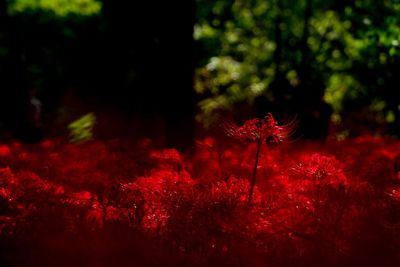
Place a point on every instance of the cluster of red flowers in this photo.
(266, 129)
(313, 204)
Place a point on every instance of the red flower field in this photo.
(120, 203)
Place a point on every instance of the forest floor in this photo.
(125, 203)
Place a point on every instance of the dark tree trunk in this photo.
(3, 14)
(16, 88)
(3, 65)
(280, 86)
(313, 113)
(154, 42)
(11, 70)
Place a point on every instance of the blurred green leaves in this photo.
(61, 8)
(81, 130)
(353, 48)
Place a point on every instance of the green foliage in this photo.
(239, 46)
(61, 8)
(341, 87)
(81, 130)
(353, 48)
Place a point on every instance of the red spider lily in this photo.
(266, 129)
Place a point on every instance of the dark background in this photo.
(157, 65)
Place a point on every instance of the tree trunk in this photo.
(313, 113)
(155, 40)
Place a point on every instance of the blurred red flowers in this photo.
(317, 200)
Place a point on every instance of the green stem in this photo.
(253, 181)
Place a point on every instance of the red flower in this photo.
(266, 129)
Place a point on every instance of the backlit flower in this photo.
(266, 129)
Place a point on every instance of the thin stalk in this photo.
(253, 181)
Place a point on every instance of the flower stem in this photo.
(253, 181)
